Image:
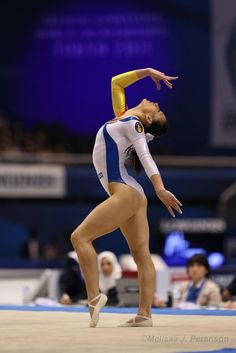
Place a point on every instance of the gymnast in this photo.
(124, 138)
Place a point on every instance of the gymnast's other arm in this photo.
(120, 82)
(169, 200)
(152, 171)
(141, 147)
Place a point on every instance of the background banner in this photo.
(17, 180)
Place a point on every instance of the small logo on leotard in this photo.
(139, 127)
(100, 175)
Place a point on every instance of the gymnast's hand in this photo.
(170, 201)
(158, 76)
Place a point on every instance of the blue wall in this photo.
(38, 84)
(56, 219)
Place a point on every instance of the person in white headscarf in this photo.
(109, 272)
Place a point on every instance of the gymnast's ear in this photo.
(148, 119)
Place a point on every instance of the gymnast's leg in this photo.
(106, 217)
(136, 232)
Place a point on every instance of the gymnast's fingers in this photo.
(171, 211)
(168, 84)
(177, 208)
(170, 78)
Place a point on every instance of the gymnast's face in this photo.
(154, 119)
(149, 107)
(106, 267)
(152, 111)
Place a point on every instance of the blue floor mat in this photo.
(224, 350)
(120, 310)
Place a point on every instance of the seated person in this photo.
(229, 293)
(109, 272)
(71, 282)
(200, 290)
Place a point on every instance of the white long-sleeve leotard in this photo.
(114, 142)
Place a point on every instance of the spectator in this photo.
(200, 290)
(110, 271)
(229, 295)
(230, 291)
(15, 138)
(32, 248)
(71, 283)
(52, 250)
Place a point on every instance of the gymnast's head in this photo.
(153, 119)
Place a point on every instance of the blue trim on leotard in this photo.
(112, 158)
(129, 118)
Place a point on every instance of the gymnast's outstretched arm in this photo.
(118, 85)
(120, 82)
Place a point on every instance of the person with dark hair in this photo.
(229, 294)
(71, 283)
(32, 249)
(126, 206)
(202, 262)
(230, 291)
(200, 290)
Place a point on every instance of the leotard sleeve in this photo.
(118, 85)
(134, 130)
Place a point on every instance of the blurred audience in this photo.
(199, 290)
(71, 283)
(52, 250)
(32, 249)
(110, 272)
(230, 291)
(35, 249)
(43, 137)
(229, 295)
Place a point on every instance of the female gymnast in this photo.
(125, 137)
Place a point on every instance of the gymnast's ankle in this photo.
(144, 313)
